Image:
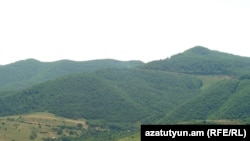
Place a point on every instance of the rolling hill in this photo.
(115, 95)
(201, 60)
(227, 99)
(195, 86)
(25, 73)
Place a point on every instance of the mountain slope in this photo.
(196, 86)
(114, 95)
(227, 99)
(238, 105)
(28, 72)
(200, 60)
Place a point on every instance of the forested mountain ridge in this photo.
(201, 60)
(114, 95)
(25, 73)
(227, 99)
(196, 85)
(141, 88)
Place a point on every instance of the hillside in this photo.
(226, 99)
(201, 60)
(114, 95)
(23, 74)
(39, 126)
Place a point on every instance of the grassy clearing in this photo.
(208, 80)
(37, 126)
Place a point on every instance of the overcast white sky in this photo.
(146, 30)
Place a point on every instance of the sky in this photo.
(146, 30)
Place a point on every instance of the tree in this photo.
(59, 131)
(33, 135)
(79, 125)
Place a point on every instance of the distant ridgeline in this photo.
(28, 72)
(198, 84)
(200, 60)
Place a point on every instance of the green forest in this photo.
(197, 86)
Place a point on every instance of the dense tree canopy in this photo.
(198, 84)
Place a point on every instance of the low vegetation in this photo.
(39, 126)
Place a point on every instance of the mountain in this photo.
(115, 91)
(201, 60)
(112, 95)
(195, 86)
(28, 72)
(227, 99)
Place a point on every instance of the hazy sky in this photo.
(146, 30)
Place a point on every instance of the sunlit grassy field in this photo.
(38, 126)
